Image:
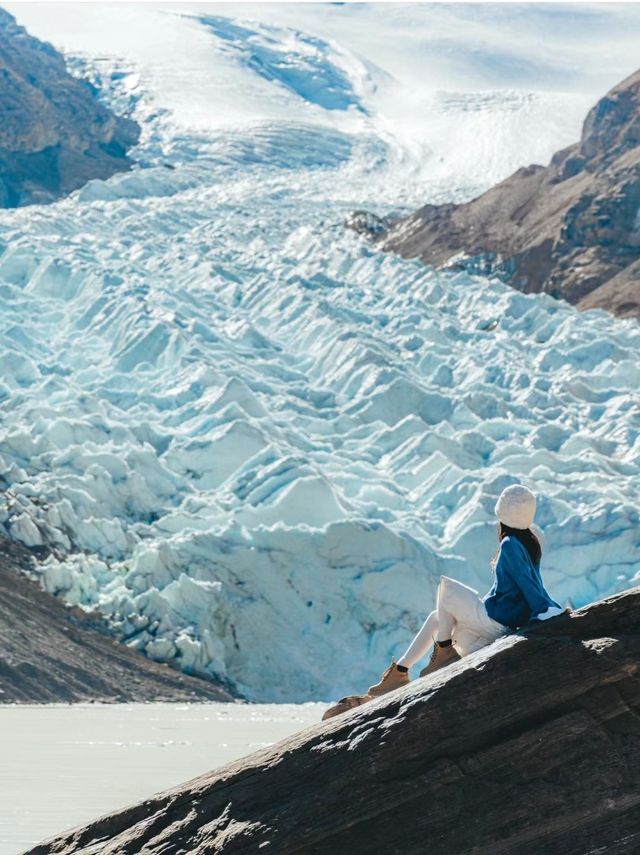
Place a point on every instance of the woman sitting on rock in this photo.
(463, 621)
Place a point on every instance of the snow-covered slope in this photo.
(254, 442)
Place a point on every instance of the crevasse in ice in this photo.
(254, 442)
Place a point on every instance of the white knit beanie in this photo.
(516, 506)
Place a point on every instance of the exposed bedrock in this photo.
(54, 133)
(571, 229)
(50, 653)
(530, 745)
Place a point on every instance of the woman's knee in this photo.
(443, 584)
(446, 590)
(454, 591)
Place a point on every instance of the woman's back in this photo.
(518, 594)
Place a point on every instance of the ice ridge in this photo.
(254, 442)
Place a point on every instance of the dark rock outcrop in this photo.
(366, 223)
(570, 229)
(531, 745)
(54, 133)
(52, 653)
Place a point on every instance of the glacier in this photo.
(247, 437)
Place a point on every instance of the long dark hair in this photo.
(526, 537)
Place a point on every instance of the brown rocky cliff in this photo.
(531, 745)
(54, 133)
(571, 229)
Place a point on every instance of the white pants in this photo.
(459, 615)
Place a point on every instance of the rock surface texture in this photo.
(570, 229)
(51, 653)
(530, 745)
(54, 133)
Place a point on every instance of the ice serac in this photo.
(571, 229)
(252, 441)
(529, 745)
(55, 135)
(50, 653)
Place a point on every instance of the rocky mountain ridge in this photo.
(529, 745)
(55, 135)
(570, 229)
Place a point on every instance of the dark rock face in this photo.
(571, 229)
(50, 653)
(366, 223)
(531, 745)
(54, 133)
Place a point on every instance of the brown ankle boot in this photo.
(390, 680)
(344, 704)
(440, 657)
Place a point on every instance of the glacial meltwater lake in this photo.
(62, 766)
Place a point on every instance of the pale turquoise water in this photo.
(61, 766)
